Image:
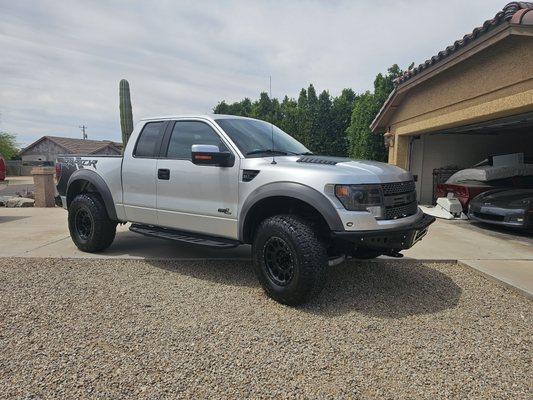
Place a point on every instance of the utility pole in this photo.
(83, 128)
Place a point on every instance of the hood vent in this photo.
(324, 160)
(249, 174)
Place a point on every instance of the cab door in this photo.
(196, 198)
(139, 174)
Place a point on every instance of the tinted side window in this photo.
(187, 133)
(149, 140)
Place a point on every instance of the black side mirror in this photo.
(207, 154)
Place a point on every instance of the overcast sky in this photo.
(61, 61)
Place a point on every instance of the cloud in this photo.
(61, 61)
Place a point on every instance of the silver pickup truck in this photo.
(222, 181)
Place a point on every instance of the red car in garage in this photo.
(464, 192)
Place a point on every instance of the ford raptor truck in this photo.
(223, 181)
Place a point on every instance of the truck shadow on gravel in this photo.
(386, 290)
(379, 289)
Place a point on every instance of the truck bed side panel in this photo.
(107, 167)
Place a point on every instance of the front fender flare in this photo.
(295, 190)
(100, 185)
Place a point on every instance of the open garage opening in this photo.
(434, 157)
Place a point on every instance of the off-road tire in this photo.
(307, 252)
(102, 230)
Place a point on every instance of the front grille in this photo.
(398, 187)
(399, 206)
(401, 211)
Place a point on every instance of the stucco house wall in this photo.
(493, 83)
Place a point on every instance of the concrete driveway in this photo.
(41, 232)
(503, 255)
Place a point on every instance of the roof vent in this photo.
(321, 160)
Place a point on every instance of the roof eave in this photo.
(377, 125)
(499, 33)
(39, 141)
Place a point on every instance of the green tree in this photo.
(222, 108)
(289, 116)
(242, 108)
(262, 108)
(312, 113)
(341, 111)
(362, 143)
(8, 145)
(245, 108)
(303, 121)
(322, 138)
(324, 124)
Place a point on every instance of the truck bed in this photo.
(107, 167)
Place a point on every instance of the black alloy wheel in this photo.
(279, 261)
(84, 223)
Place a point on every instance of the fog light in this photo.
(376, 211)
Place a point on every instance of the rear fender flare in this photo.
(100, 185)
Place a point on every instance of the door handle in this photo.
(163, 174)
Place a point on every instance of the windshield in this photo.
(254, 138)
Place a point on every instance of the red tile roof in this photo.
(517, 12)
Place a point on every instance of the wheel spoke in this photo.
(279, 261)
(83, 224)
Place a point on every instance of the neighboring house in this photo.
(469, 101)
(47, 148)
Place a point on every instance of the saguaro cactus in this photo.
(126, 115)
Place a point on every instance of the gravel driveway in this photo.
(122, 328)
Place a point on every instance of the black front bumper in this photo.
(391, 239)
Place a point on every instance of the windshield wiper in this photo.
(307, 153)
(267, 151)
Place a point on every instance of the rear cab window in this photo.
(149, 141)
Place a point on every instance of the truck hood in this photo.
(329, 169)
(386, 172)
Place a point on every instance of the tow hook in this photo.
(393, 253)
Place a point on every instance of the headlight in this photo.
(361, 198)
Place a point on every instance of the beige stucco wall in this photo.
(494, 83)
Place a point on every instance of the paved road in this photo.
(192, 329)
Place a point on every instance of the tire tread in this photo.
(311, 251)
(104, 228)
